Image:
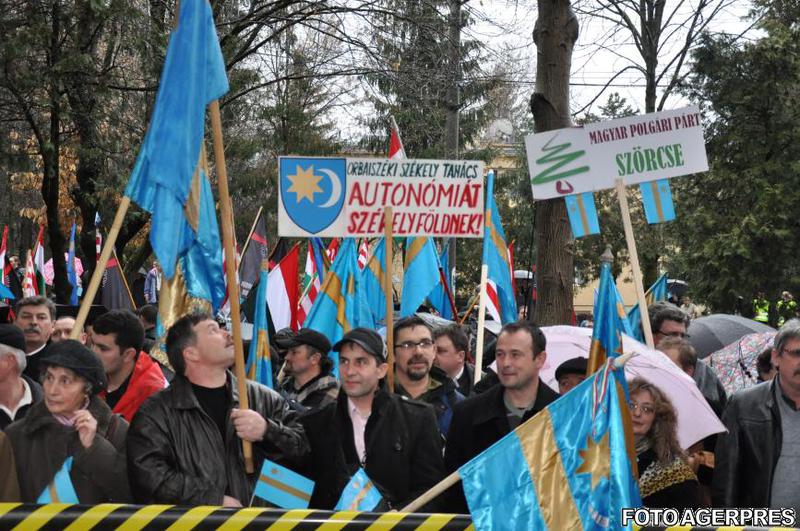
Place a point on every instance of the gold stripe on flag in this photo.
(537, 439)
(657, 200)
(142, 517)
(360, 496)
(51, 488)
(582, 210)
(414, 249)
(283, 487)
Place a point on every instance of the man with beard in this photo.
(35, 316)
(184, 443)
(482, 420)
(416, 375)
(309, 383)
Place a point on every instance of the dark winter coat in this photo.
(478, 422)
(403, 450)
(442, 395)
(315, 394)
(41, 445)
(36, 397)
(746, 456)
(176, 454)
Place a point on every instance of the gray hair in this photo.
(22, 359)
(789, 330)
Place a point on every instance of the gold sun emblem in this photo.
(305, 184)
(596, 459)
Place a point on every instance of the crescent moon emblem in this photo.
(336, 188)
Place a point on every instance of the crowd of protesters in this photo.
(137, 430)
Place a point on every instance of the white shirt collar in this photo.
(27, 398)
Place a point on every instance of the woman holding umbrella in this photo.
(70, 447)
(665, 478)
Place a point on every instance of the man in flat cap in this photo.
(395, 440)
(570, 373)
(309, 383)
(18, 392)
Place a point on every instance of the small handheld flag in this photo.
(582, 214)
(282, 487)
(60, 490)
(360, 494)
(657, 201)
(72, 273)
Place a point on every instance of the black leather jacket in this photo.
(746, 456)
(176, 454)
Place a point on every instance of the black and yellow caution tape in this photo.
(30, 517)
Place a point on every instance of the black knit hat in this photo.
(74, 355)
(12, 336)
(367, 339)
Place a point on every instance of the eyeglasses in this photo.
(682, 335)
(793, 353)
(646, 409)
(407, 346)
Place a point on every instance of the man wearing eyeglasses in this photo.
(483, 419)
(667, 320)
(416, 375)
(758, 459)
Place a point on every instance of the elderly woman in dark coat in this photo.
(71, 422)
(665, 478)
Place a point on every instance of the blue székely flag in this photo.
(582, 214)
(495, 255)
(72, 274)
(608, 322)
(320, 257)
(193, 76)
(439, 298)
(626, 327)
(656, 292)
(259, 364)
(657, 201)
(336, 309)
(566, 468)
(60, 490)
(5, 293)
(372, 277)
(360, 494)
(282, 487)
(421, 273)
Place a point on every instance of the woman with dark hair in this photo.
(70, 447)
(665, 478)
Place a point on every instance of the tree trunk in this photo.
(555, 34)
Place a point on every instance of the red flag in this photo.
(363, 253)
(333, 248)
(283, 291)
(311, 287)
(396, 150)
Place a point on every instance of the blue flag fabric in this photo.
(495, 255)
(282, 487)
(608, 322)
(372, 277)
(656, 292)
(318, 253)
(657, 201)
(60, 490)
(5, 293)
(582, 214)
(337, 308)
(193, 76)
(72, 274)
(421, 273)
(439, 298)
(626, 327)
(259, 364)
(360, 494)
(566, 468)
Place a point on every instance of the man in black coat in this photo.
(482, 420)
(395, 440)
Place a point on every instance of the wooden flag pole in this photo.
(226, 215)
(387, 292)
(432, 493)
(250, 234)
(100, 267)
(470, 306)
(637, 272)
(481, 321)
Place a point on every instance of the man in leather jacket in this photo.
(184, 444)
(758, 460)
